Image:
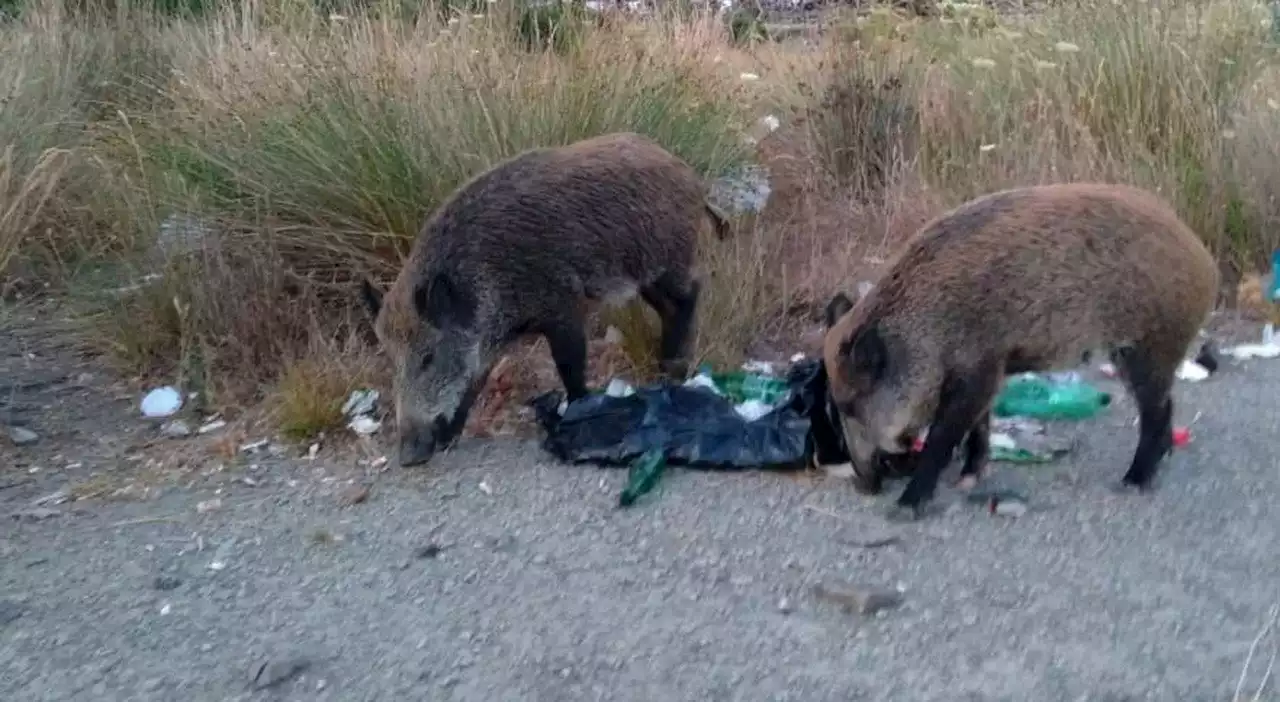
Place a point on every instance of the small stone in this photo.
(22, 437)
(175, 429)
(429, 551)
(165, 583)
(273, 672)
(353, 495)
(862, 600)
(784, 606)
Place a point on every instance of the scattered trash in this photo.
(161, 402)
(211, 426)
(1109, 370)
(784, 606)
(359, 408)
(1267, 349)
(1192, 371)
(860, 600)
(484, 487)
(742, 191)
(764, 367)
(360, 402)
(694, 425)
(643, 475)
(216, 566)
(353, 495)
(865, 288)
(175, 429)
(1009, 508)
(273, 672)
(619, 388)
(206, 506)
(364, 425)
(1005, 503)
(870, 543)
(254, 446)
(1056, 396)
(1022, 440)
(165, 583)
(21, 436)
(1181, 436)
(312, 451)
(165, 609)
(749, 76)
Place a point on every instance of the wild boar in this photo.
(528, 247)
(1026, 279)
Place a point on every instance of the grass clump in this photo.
(1156, 94)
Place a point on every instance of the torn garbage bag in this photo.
(695, 426)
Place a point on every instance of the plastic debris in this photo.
(1192, 371)
(213, 425)
(175, 429)
(695, 425)
(360, 402)
(1057, 396)
(643, 475)
(1181, 436)
(364, 425)
(161, 402)
(619, 388)
(862, 600)
(1022, 440)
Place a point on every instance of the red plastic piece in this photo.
(1181, 436)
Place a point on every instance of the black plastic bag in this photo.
(696, 427)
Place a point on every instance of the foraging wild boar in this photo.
(1027, 279)
(526, 248)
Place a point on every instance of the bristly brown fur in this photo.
(1027, 279)
(524, 248)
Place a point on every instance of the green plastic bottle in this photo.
(740, 386)
(1049, 398)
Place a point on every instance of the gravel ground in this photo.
(496, 574)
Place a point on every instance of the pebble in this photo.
(273, 672)
(784, 606)
(353, 495)
(22, 437)
(164, 583)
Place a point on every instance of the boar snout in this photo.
(419, 441)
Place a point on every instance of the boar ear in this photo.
(444, 304)
(836, 308)
(371, 297)
(869, 352)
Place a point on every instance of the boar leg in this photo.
(965, 399)
(567, 338)
(1150, 380)
(675, 298)
(977, 451)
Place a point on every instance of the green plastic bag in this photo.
(741, 386)
(1049, 398)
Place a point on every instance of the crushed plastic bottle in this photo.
(742, 387)
(642, 476)
(1060, 396)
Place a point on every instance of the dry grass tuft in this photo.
(256, 158)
